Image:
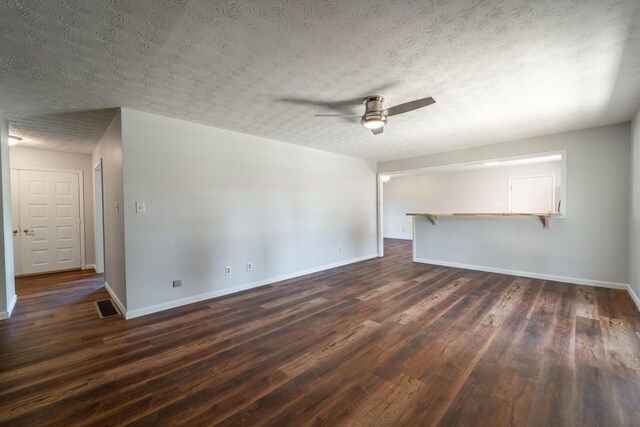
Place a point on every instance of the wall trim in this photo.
(116, 300)
(12, 304)
(89, 267)
(221, 292)
(380, 214)
(565, 279)
(634, 296)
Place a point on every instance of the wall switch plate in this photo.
(140, 208)
(177, 283)
(227, 270)
(249, 266)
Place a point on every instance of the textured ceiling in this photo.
(499, 70)
(74, 132)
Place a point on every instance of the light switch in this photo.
(140, 207)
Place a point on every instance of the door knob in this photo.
(15, 231)
(26, 230)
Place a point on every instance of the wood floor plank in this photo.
(620, 342)
(499, 390)
(414, 312)
(376, 292)
(589, 344)
(508, 301)
(382, 342)
(387, 404)
(308, 360)
(294, 298)
(586, 304)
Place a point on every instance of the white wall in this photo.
(400, 195)
(478, 190)
(110, 151)
(634, 223)
(7, 282)
(217, 198)
(29, 158)
(591, 244)
(485, 190)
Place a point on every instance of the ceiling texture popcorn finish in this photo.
(73, 132)
(498, 69)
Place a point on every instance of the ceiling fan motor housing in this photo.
(373, 111)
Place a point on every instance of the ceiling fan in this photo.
(375, 117)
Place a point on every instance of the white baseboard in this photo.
(12, 304)
(634, 296)
(208, 295)
(89, 267)
(115, 299)
(565, 279)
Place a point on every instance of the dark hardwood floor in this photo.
(381, 342)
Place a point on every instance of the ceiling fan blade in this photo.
(337, 115)
(408, 106)
(377, 131)
(333, 105)
(345, 105)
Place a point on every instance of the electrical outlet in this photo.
(177, 283)
(249, 266)
(227, 270)
(140, 208)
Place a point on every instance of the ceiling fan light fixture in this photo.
(375, 115)
(374, 121)
(373, 124)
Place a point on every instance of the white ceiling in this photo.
(73, 132)
(498, 69)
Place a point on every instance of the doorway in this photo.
(99, 203)
(47, 220)
(394, 201)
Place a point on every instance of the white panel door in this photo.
(49, 221)
(15, 218)
(532, 194)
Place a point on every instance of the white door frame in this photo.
(380, 215)
(95, 215)
(83, 258)
(15, 217)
